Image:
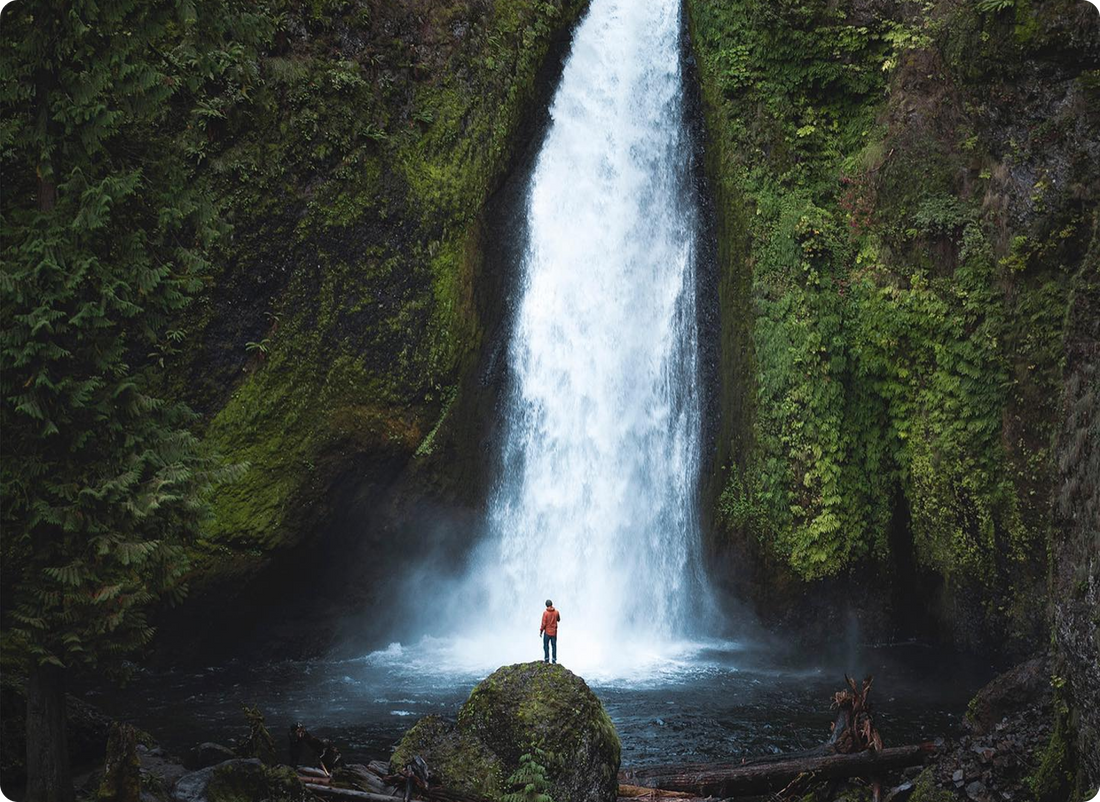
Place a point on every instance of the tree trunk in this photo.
(47, 182)
(347, 793)
(49, 777)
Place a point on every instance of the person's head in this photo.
(549, 603)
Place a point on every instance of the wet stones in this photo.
(208, 754)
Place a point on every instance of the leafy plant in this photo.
(528, 783)
(994, 6)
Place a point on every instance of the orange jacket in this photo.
(550, 619)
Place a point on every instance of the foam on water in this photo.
(458, 660)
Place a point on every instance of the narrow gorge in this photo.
(761, 337)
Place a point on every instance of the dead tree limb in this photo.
(760, 777)
(347, 793)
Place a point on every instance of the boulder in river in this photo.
(512, 712)
(1008, 693)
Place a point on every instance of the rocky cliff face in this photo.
(1076, 550)
(903, 199)
(906, 201)
(339, 343)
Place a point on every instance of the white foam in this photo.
(596, 508)
(466, 660)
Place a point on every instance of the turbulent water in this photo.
(596, 507)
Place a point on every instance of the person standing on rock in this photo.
(549, 631)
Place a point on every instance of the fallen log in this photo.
(433, 794)
(759, 777)
(686, 768)
(347, 793)
(647, 794)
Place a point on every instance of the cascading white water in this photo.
(596, 506)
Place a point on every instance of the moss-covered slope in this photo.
(355, 173)
(906, 197)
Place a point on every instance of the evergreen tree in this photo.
(105, 111)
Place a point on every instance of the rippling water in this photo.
(726, 701)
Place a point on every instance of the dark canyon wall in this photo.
(1075, 587)
(906, 197)
(338, 351)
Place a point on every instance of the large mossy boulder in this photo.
(240, 780)
(514, 711)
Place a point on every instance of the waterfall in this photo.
(596, 504)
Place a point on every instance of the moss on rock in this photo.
(355, 175)
(520, 707)
(515, 710)
(460, 762)
(925, 789)
(896, 314)
(241, 781)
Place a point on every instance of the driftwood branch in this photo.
(762, 776)
(347, 793)
(433, 794)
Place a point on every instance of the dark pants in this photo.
(547, 642)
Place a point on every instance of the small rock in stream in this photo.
(207, 754)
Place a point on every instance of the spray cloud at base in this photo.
(596, 504)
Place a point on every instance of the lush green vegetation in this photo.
(528, 782)
(270, 211)
(902, 331)
(355, 176)
(106, 239)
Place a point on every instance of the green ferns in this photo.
(528, 782)
(106, 242)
